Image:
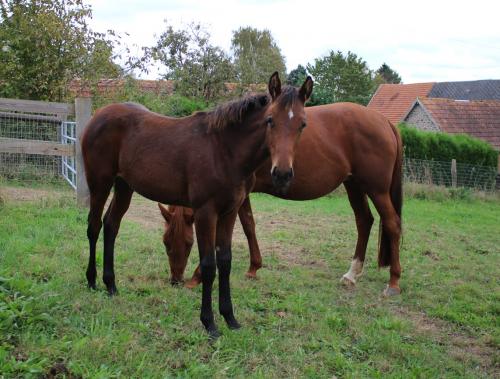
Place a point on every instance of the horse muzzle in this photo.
(281, 179)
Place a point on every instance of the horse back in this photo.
(361, 138)
(141, 147)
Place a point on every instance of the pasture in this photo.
(298, 320)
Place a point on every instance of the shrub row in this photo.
(169, 105)
(434, 146)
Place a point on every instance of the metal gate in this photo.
(68, 163)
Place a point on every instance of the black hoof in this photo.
(232, 323)
(213, 332)
(91, 280)
(112, 291)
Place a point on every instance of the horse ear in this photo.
(274, 85)
(165, 213)
(306, 89)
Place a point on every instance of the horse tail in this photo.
(396, 193)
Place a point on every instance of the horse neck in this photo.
(246, 144)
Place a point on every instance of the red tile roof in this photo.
(110, 86)
(394, 100)
(478, 118)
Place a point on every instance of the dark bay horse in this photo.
(204, 161)
(343, 143)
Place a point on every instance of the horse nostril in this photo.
(273, 171)
(282, 176)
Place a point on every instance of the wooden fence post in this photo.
(83, 113)
(453, 173)
(497, 179)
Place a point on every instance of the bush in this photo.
(168, 105)
(419, 144)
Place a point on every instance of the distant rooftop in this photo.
(478, 118)
(470, 90)
(394, 100)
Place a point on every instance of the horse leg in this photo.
(224, 236)
(364, 222)
(98, 197)
(114, 214)
(391, 225)
(247, 221)
(205, 220)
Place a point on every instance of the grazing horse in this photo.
(204, 161)
(343, 143)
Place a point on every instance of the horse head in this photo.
(286, 119)
(178, 239)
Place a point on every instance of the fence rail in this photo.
(26, 146)
(26, 107)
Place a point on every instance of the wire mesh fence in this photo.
(444, 174)
(28, 168)
(26, 140)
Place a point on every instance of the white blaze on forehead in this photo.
(290, 114)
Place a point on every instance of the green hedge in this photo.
(169, 105)
(419, 144)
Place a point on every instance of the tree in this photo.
(340, 78)
(199, 68)
(387, 74)
(297, 76)
(256, 55)
(45, 44)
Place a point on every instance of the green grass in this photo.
(298, 320)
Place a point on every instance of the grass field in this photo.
(298, 320)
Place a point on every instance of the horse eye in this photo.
(269, 121)
(303, 125)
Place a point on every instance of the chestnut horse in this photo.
(343, 143)
(203, 161)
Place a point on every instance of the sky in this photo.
(422, 40)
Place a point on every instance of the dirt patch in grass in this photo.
(28, 194)
(59, 370)
(142, 210)
(462, 346)
(431, 254)
(145, 212)
(291, 252)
